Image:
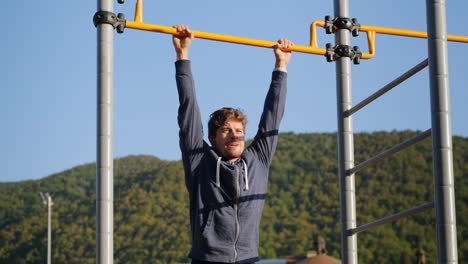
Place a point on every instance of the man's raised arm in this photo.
(189, 119)
(265, 141)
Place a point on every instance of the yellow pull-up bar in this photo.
(312, 49)
(224, 38)
(138, 24)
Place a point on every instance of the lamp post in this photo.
(47, 200)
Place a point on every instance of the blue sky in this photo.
(48, 75)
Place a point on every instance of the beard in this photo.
(233, 149)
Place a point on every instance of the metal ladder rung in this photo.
(390, 151)
(392, 218)
(405, 76)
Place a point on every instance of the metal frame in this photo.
(444, 200)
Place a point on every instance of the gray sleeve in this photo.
(265, 141)
(189, 119)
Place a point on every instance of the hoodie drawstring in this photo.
(218, 169)
(246, 176)
(218, 165)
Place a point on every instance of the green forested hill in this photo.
(151, 212)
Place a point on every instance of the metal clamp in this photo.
(106, 17)
(333, 53)
(333, 25)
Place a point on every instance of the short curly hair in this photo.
(219, 118)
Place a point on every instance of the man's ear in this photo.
(211, 138)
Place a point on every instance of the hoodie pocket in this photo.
(219, 232)
(208, 222)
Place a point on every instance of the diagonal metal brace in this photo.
(106, 17)
(333, 25)
(333, 53)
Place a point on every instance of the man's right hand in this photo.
(182, 41)
(282, 55)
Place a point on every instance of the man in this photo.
(227, 182)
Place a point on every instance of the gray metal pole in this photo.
(104, 163)
(345, 143)
(441, 133)
(47, 200)
(49, 229)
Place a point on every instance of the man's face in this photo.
(229, 140)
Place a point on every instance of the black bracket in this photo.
(333, 53)
(333, 25)
(106, 17)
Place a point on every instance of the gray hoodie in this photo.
(226, 198)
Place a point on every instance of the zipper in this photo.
(236, 210)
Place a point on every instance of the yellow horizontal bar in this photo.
(395, 31)
(457, 38)
(398, 32)
(224, 38)
(408, 33)
(371, 31)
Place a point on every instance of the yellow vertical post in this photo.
(139, 11)
(371, 44)
(313, 32)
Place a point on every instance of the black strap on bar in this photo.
(339, 51)
(333, 25)
(333, 53)
(106, 17)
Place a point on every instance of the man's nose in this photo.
(237, 136)
(236, 133)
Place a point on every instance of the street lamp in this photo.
(47, 200)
